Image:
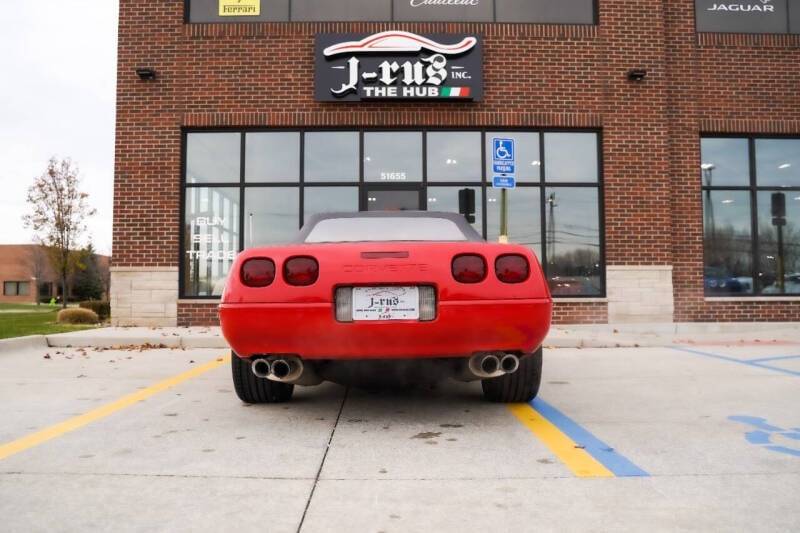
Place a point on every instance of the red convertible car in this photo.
(414, 293)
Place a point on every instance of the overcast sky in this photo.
(57, 96)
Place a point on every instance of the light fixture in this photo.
(727, 201)
(785, 166)
(146, 73)
(368, 159)
(536, 163)
(637, 74)
(707, 166)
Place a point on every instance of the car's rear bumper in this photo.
(460, 329)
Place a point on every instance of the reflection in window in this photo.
(725, 162)
(728, 243)
(213, 157)
(331, 156)
(454, 156)
(393, 156)
(445, 199)
(524, 217)
(572, 241)
(778, 162)
(211, 238)
(272, 157)
(779, 243)
(271, 215)
(526, 146)
(571, 157)
(319, 200)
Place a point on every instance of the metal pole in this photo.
(781, 271)
(504, 216)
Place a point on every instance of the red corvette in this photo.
(417, 294)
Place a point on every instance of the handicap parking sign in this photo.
(503, 156)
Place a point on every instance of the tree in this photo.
(37, 261)
(59, 211)
(87, 283)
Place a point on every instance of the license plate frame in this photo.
(385, 303)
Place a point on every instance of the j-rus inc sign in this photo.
(398, 65)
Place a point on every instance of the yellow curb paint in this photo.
(576, 459)
(35, 439)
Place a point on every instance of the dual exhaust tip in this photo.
(284, 370)
(491, 365)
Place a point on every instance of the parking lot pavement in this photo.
(691, 437)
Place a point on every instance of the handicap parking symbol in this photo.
(770, 437)
(503, 150)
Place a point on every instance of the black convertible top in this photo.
(465, 227)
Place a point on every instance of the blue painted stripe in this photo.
(605, 454)
(774, 358)
(740, 361)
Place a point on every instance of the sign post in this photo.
(504, 177)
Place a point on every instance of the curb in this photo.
(18, 344)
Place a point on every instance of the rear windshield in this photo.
(372, 229)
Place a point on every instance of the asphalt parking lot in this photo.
(694, 438)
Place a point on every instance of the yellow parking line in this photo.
(576, 459)
(35, 439)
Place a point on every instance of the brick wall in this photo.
(261, 75)
(198, 314)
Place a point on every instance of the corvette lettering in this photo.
(398, 65)
(413, 267)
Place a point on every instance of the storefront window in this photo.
(213, 157)
(211, 238)
(572, 241)
(319, 200)
(331, 156)
(524, 217)
(271, 215)
(533, 11)
(445, 199)
(393, 156)
(569, 157)
(273, 157)
(454, 156)
(256, 188)
(725, 162)
(745, 252)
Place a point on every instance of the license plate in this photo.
(385, 303)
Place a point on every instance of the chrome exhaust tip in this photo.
(261, 368)
(509, 363)
(287, 370)
(490, 364)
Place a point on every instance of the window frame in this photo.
(752, 188)
(482, 184)
(16, 285)
(595, 15)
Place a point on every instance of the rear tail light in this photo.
(469, 268)
(427, 304)
(512, 268)
(344, 304)
(258, 272)
(301, 271)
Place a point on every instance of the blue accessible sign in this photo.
(504, 182)
(503, 163)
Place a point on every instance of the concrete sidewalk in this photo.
(577, 336)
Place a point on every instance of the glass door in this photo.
(393, 197)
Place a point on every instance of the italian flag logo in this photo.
(454, 92)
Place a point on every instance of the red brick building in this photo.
(657, 144)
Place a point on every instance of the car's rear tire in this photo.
(252, 389)
(521, 386)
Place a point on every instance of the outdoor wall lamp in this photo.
(637, 74)
(146, 74)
